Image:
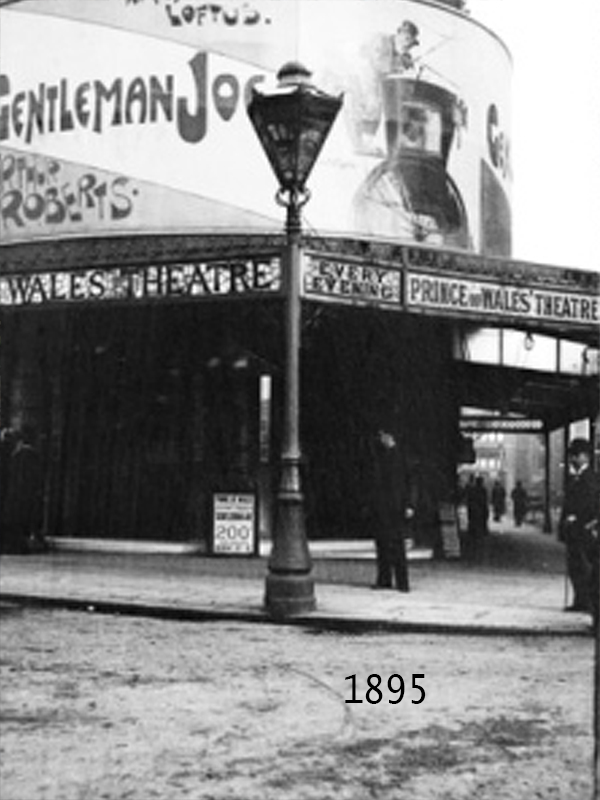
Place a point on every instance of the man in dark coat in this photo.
(519, 498)
(498, 500)
(21, 495)
(478, 513)
(389, 512)
(579, 528)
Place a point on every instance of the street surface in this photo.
(121, 708)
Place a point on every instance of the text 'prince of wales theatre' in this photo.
(143, 279)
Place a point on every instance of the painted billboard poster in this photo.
(124, 116)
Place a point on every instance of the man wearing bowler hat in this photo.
(389, 511)
(579, 528)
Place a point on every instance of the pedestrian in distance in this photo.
(22, 496)
(519, 501)
(478, 515)
(579, 528)
(389, 511)
(498, 500)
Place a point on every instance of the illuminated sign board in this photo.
(156, 282)
(454, 295)
(501, 425)
(351, 282)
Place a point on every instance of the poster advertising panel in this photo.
(124, 116)
(234, 524)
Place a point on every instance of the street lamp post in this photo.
(292, 125)
(596, 788)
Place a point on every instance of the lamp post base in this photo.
(289, 595)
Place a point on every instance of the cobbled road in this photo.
(116, 708)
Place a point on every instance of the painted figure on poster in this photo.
(409, 193)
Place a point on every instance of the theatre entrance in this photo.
(140, 412)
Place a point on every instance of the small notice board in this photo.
(449, 529)
(234, 524)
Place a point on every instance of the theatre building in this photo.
(141, 286)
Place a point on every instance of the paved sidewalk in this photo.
(492, 597)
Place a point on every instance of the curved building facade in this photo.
(140, 269)
(129, 117)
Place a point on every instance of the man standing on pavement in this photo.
(498, 500)
(478, 513)
(519, 499)
(21, 495)
(389, 512)
(579, 528)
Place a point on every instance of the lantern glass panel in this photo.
(292, 128)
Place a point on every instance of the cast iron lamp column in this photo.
(292, 125)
